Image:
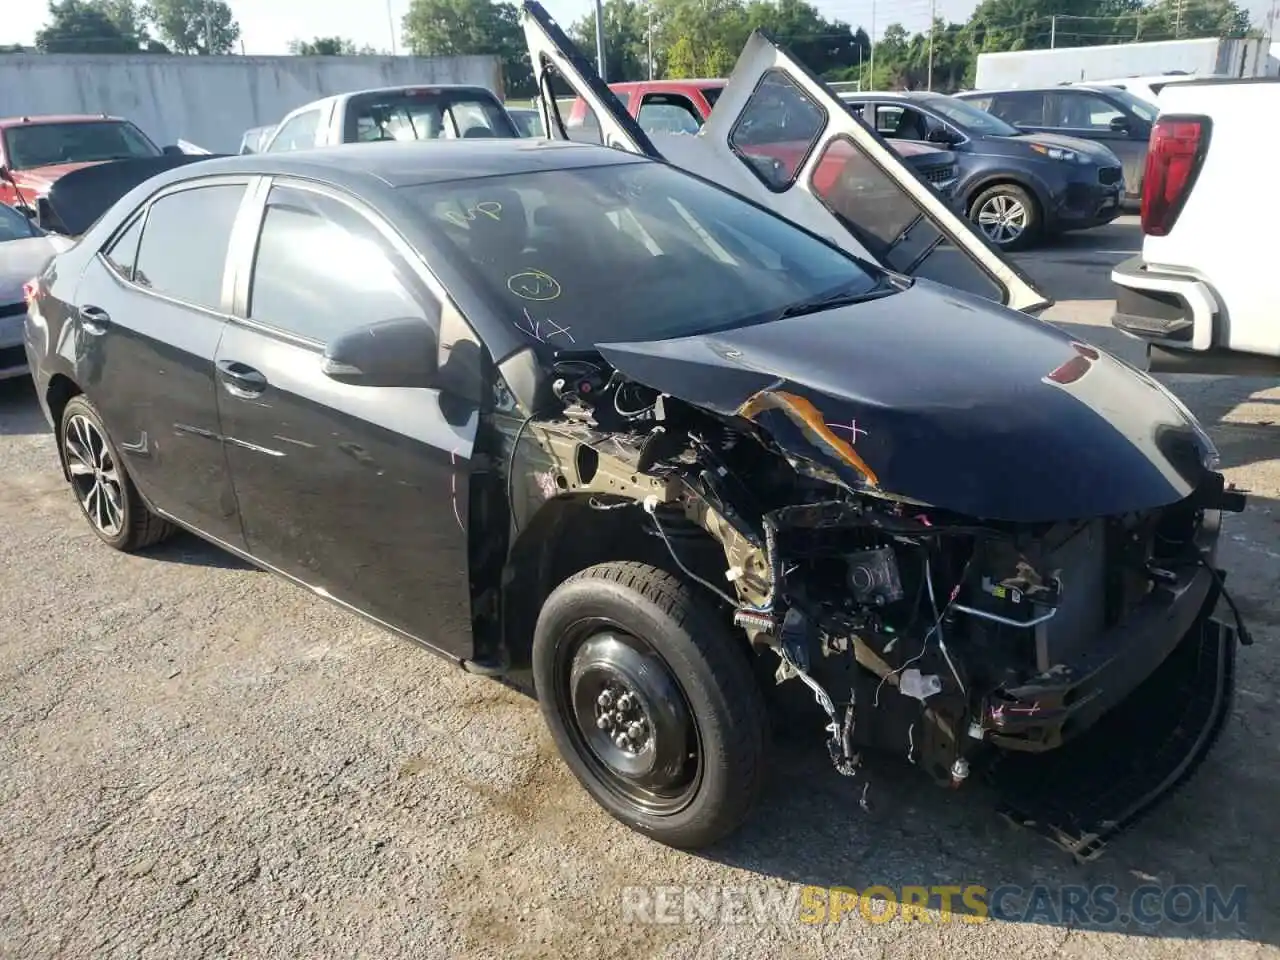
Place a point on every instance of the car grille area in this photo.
(940, 174)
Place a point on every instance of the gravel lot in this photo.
(202, 760)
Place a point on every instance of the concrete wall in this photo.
(211, 101)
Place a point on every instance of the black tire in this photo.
(138, 527)
(1034, 220)
(639, 607)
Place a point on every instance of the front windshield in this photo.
(1145, 110)
(968, 117)
(14, 226)
(629, 251)
(82, 141)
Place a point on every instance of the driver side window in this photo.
(294, 287)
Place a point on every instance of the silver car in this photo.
(25, 249)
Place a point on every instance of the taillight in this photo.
(1076, 367)
(31, 291)
(1175, 154)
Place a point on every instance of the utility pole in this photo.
(872, 81)
(600, 41)
(208, 31)
(649, 12)
(932, 18)
(391, 22)
(1053, 32)
(1177, 20)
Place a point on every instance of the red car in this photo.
(37, 151)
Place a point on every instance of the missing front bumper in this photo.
(1097, 785)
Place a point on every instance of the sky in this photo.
(267, 26)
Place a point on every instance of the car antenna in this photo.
(7, 177)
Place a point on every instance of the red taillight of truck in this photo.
(1175, 155)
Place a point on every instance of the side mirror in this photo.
(1119, 124)
(941, 135)
(26, 211)
(403, 352)
(172, 150)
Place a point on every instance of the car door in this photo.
(1091, 116)
(779, 136)
(153, 305)
(361, 492)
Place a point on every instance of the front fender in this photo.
(977, 181)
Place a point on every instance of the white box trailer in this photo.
(1038, 68)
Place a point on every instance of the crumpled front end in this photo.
(956, 640)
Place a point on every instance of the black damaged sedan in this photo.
(558, 408)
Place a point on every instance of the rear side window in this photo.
(295, 287)
(1020, 108)
(776, 130)
(298, 133)
(123, 253)
(183, 252)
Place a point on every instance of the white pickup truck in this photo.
(1202, 294)
(427, 112)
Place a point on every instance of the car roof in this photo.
(401, 88)
(56, 118)
(891, 94)
(669, 84)
(415, 162)
(1045, 88)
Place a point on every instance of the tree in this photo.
(626, 43)
(194, 26)
(323, 47)
(449, 28)
(822, 45)
(80, 26)
(1177, 19)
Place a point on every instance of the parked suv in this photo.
(1107, 115)
(1017, 187)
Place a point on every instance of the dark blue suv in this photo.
(1016, 187)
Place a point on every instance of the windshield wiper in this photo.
(840, 297)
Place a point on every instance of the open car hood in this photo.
(842, 180)
(942, 398)
(80, 197)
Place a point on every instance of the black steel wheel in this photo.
(101, 485)
(651, 702)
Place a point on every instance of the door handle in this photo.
(241, 380)
(94, 320)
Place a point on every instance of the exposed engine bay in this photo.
(950, 641)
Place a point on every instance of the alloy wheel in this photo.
(1002, 219)
(94, 475)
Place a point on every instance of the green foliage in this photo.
(462, 27)
(93, 26)
(194, 26)
(328, 47)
